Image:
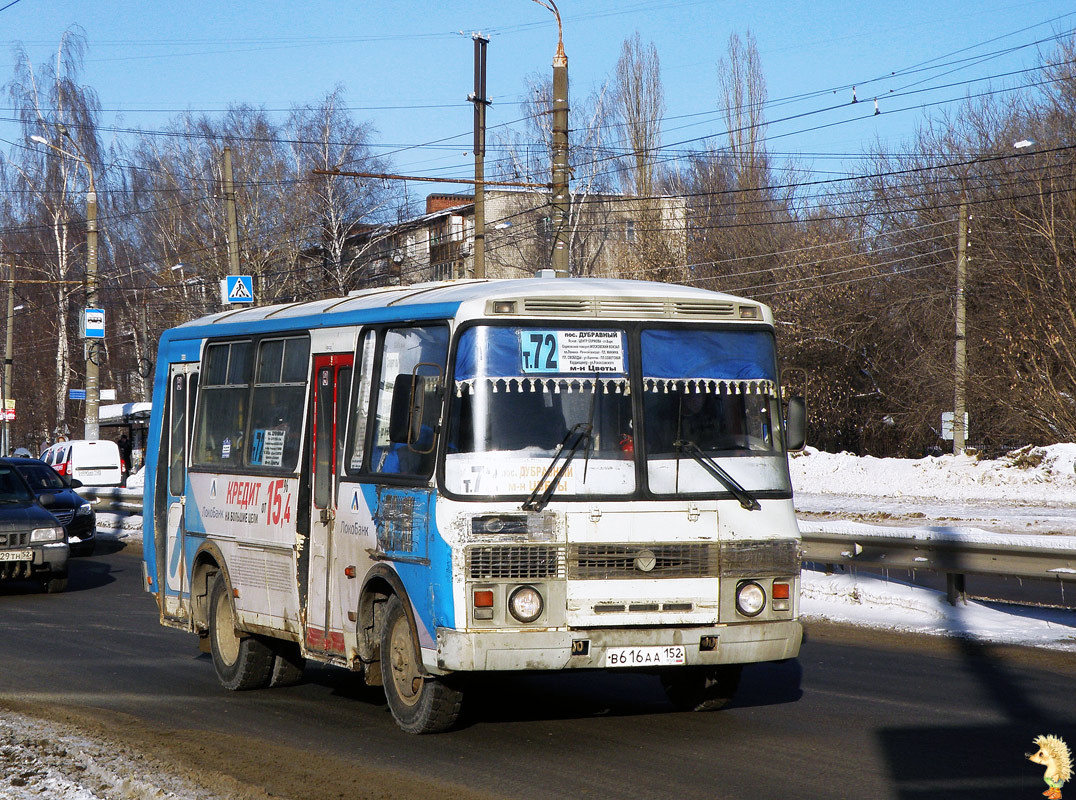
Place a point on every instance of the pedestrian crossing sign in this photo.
(237, 289)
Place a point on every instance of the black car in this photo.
(74, 513)
(33, 546)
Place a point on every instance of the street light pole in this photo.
(92, 427)
(561, 197)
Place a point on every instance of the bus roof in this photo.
(451, 295)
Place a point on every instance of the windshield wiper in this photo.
(711, 466)
(538, 499)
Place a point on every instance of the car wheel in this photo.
(420, 703)
(56, 584)
(241, 661)
(701, 688)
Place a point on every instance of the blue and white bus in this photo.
(425, 482)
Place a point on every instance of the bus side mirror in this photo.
(405, 416)
(795, 424)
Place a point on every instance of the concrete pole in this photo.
(960, 372)
(561, 197)
(7, 352)
(93, 392)
(229, 209)
(480, 103)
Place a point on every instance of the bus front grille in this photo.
(515, 562)
(755, 558)
(634, 560)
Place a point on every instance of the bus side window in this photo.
(405, 349)
(364, 377)
(221, 421)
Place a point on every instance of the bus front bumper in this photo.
(743, 643)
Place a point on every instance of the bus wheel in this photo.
(241, 662)
(288, 663)
(701, 688)
(420, 703)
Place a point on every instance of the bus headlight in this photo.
(750, 599)
(526, 604)
(537, 527)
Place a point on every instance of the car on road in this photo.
(74, 512)
(94, 462)
(33, 546)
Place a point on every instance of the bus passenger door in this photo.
(332, 384)
(182, 391)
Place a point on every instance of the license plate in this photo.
(93, 473)
(646, 656)
(16, 555)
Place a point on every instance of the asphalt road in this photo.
(857, 715)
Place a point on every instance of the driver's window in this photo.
(419, 351)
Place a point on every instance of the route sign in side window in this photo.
(276, 413)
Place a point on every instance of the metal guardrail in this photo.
(110, 499)
(952, 552)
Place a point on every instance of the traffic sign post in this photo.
(237, 289)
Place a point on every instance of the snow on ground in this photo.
(895, 605)
(1040, 475)
(1027, 496)
(41, 760)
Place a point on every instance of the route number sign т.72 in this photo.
(573, 352)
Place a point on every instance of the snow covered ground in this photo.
(42, 760)
(1028, 493)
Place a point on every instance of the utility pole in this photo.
(92, 428)
(561, 198)
(960, 373)
(7, 351)
(561, 174)
(229, 210)
(480, 102)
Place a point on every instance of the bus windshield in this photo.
(518, 394)
(711, 393)
(520, 391)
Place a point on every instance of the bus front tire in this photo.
(241, 662)
(420, 703)
(701, 688)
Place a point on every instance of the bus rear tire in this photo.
(241, 662)
(288, 663)
(701, 688)
(420, 703)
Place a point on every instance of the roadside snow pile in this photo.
(40, 759)
(1028, 475)
(875, 602)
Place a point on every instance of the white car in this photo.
(94, 462)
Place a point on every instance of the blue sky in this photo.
(406, 66)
